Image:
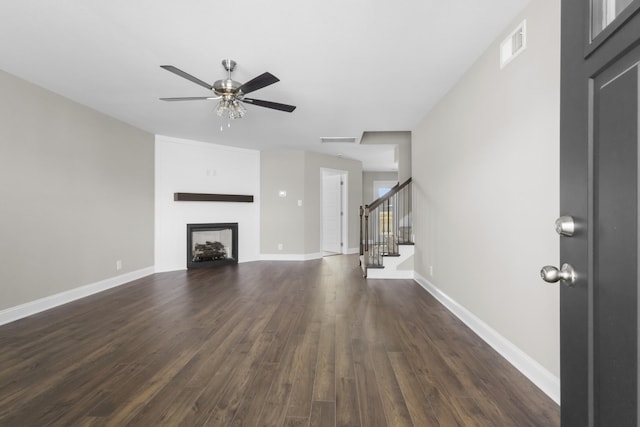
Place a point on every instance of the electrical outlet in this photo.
(280, 246)
(431, 270)
(118, 265)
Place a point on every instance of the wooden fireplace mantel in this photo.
(203, 197)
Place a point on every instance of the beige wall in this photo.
(77, 194)
(402, 139)
(486, 174)
(313, 163)
(282, 220)
(367, 183)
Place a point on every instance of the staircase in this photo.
(386, 235)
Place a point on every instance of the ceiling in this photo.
(349, 66)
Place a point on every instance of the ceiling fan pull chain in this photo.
(228, 124)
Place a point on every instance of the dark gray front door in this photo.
(599, 189)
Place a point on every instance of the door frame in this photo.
(344, 232)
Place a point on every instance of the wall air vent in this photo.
(338, 139)
(514, 44)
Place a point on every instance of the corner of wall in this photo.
(199, 167)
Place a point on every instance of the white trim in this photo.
(389, 273)
(351, 251)
(344, 202)
(345, 211)
(33, 307)
(170, 269)
(535, 372)
(290, 257)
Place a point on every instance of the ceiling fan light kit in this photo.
(230, 93)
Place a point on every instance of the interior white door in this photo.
(331, 213)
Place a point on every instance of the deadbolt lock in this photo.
(565, 226)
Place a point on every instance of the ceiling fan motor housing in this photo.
(231, 91)
(226, 87)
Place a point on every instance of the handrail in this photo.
(384, 225)
(394, 190)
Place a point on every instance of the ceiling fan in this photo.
(231, 93)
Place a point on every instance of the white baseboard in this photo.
(388, 273)
(537, 374)
(169, 269)
(33, 307)
(300, 257)
(289, 257)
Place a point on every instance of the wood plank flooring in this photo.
(264, 343)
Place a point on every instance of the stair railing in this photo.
(385, 224)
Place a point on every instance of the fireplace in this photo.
(212, 244)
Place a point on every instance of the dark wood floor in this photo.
(264, 343)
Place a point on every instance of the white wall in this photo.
(486, 179)
(184, 166)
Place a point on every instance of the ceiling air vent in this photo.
(338, 139)
(515, 43)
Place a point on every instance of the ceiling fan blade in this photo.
(264, 79)
(191, 98)
(269, 104)
(187, 76)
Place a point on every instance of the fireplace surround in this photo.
(213, 244)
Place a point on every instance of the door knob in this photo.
(566, 275)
